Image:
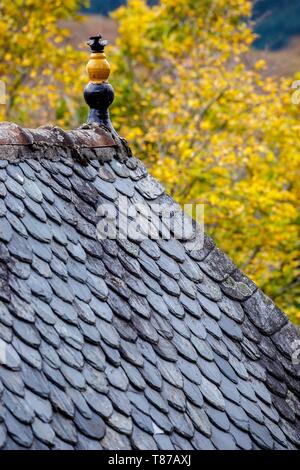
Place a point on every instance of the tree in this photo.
(37, 64)
(214, 131)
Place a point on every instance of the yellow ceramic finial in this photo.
(98, 67)
(98, 93)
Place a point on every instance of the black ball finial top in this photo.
(98, 94)
(97, 43)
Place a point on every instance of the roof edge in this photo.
(88, 142)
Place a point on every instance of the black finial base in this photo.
(99, 96)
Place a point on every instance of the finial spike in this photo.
(98, 94)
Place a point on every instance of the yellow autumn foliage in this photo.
(214, 131)
(42, 73)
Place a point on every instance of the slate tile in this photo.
(291, 432)
(145, 329)
(41, 267)
(156, 399)
(5, 316)
(64, 310)
(174, 397)
(203, 348)
(95, 378)
(61, 445)
(252, 410)
(174, 306)
(210, 370)
(226, 369)
(20, 433)
(222, 440)
(113, 440)
(6, 231)
(182, 423)
(152, 284)
(84, 443)
(260, 435)
(28, 354)
(200, 442)
(14, 205)
(160, 421)
(74, 377)
(190, 371)
(180, 443)
(152, 375)
(18, 407)
(142, 440)
(184, 347)
(52, 213)
(35, 380)
(15, 188)
(269, 411)
(6, 337)
(11, 358)
(192, 392)
(37, 229)
(212, 327)
(40, 287)
(64, 428)
(42, 250)
(71, 356)
(134, 375)
(12, 380)
(61, 402)
(192, 306)
(142, 421)
(112, 355)
(43, 432)
(36, 210)
(19, 248)
(21, 288)
(26, 332)
(241, 438)
(171, 373)
(121, 423)
(40, 406)
(93, 427)
(163, 442)
(275, 386)
(3, 190)
(212, 394)
(54, 375)
(61, 289)
(199, 419)
(264, 314)
(3, 435)
(106, 173)
(232, 308)
(149, 266)
(117, 377)
(149, 187)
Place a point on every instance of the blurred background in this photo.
(208, 95)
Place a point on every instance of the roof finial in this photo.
(98, 94)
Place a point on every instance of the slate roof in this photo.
(126, 344)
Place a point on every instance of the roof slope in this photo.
(124, 344)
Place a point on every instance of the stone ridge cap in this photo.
(86, 136)
(260, 309)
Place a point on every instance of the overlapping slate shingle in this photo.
(129, 343)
